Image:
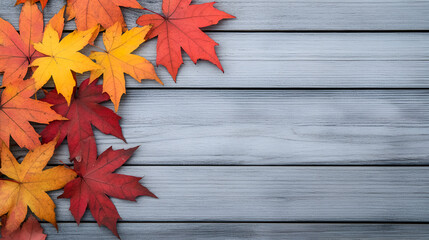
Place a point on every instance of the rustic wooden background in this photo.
(319, 128)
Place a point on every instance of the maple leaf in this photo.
(16, 50)
(96, 181)
(117, 60)
(28, 183)
(43, 2)
(83, 112)
(57, 22)
(62, 57)
(30, 230)
(89, 13)
(17, 109)
(180, 28)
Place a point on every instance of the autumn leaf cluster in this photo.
(39, 57)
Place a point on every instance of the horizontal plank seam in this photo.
(271, 165)
(312, 31)
(276, 89)
(289, 88)
(321, 31)
(272, 222)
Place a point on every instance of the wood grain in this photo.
(221, 231)
(285, 60)
(193, 193)
(278, 15)
(262, 127)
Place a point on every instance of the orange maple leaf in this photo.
(17, 109)
(117, 60)
(43, 2)
(180, 28)
(28, 183)
(16, 50)
(89, 13)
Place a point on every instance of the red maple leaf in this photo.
(96, 181)
(30, 230)
(180, 28)
(83, 112)
(16, 50)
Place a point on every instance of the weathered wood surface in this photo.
(222, 231)
(287, 60)
(277, 15)
(302, 60)
(249, 128)
(305, 194)
(283, 127)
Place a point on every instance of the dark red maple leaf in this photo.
(30, 230)
(83, 113)
(180, 28)
(96, 181)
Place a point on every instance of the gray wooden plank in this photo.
(283, 60)
(277, 15)
(275, 60)
(400, 46)
(242, 127)
(221, 231)
(304, 194)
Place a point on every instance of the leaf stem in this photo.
(11, 180)
(153, 12)
(99, 48)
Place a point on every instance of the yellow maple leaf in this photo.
(117, 60)
(62, 57)
(28, 183)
